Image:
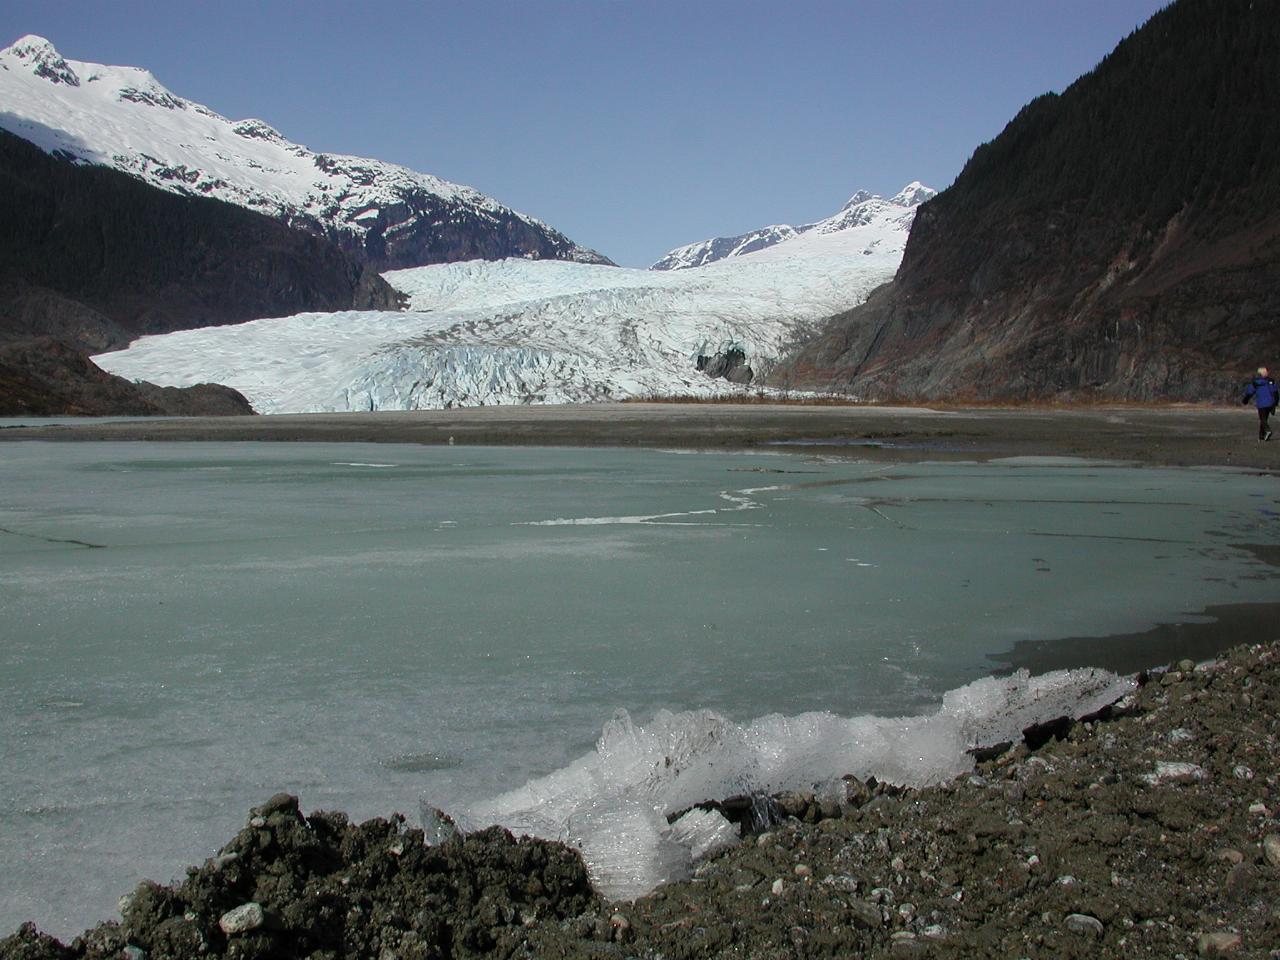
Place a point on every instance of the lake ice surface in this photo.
(189, 628)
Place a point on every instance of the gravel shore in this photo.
(1175, 435)
(1151, 830)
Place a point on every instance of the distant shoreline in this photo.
(1173, 435)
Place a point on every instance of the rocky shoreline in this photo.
(1151, 830)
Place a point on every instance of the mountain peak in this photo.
(43, 59)
(913, 194)
(385, 215)
(862, 196)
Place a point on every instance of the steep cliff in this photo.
(97, 258)
(1118, 241)
(43, 377)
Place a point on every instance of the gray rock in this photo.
(1215, 944)
(1271, 849)
(246, 917)
(620, 928)
(865, 915)
(1084, 924)
(1175, 772)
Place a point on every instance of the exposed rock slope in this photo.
(45, 377)
(98, 258)
(1121, 240)
(382, 214)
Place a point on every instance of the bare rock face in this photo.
(1119, 241)
(728, 364)
(97, 258)
(49, 378)
(91, 259)
(422, 227)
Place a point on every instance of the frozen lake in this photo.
(189, 628)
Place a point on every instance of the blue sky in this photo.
(635, 126)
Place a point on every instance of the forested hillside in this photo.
(96, 257)
(1120, 240)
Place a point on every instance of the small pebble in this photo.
(866, 915)
(776, 889)
(620, 926)
(1214, 944)
(1271, 849)
(1173, 772)
(802, 870)
(1083, 923)
(242, 919)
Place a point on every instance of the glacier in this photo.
(536, 331)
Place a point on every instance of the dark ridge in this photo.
(1118, 241)
(44, 377)
(421, 228)
(97, 258)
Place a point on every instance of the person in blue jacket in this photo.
(1262, 391)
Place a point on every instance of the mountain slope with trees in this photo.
(1118, 241)
(94, 259)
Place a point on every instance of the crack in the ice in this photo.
(1105, 536)
(37, 536)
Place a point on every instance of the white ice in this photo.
(613, 803)
(520, 331)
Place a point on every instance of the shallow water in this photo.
(189, 628)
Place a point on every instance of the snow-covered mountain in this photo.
(862, 208)
(518, 331)
(387, 215)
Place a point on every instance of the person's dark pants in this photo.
(1263, 429)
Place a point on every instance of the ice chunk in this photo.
(628, 848)
(704, 832)
(613, 803)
